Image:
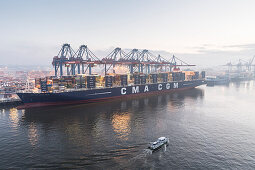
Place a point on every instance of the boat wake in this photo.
(142, 155)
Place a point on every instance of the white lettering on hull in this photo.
(123, 91)
(167, 86)
(135, 89)
(146, 88)
(175, 86)
(159, 86)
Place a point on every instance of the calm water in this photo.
(208, 127)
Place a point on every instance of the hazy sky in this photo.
(200, 31)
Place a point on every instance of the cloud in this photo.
(209, 48)
(242, 46)
(209, 55)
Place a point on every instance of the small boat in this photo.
(159, 143)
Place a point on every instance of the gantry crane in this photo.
(240, 65)
(63, 56)
(137, 61)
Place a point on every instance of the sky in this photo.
(205, 33)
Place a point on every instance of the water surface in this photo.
(208, 127)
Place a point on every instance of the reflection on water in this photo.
(105, 132)
(201, 124)
(120, 123)
(32, 134)
(14, 117)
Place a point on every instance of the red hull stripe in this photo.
(39, 104)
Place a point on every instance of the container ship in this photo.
(148, 76)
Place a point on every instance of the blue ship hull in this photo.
(100, 94)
